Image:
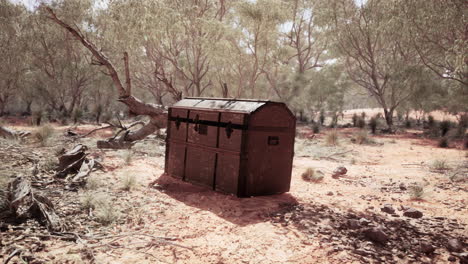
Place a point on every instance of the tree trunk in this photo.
(389, 118)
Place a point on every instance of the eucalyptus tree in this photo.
(376, 51)
(439, 35)
(63, 72)
(12, 51)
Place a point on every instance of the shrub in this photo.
(444, 127)
(443, 142)
(106, 214)
(463, 121)
(332, 138)
(355, 119)
(128, 182)
(430, 121)
(417, 192)
(44, 133)
(439, 165)
(322, 117)
(310, 175)
(316, 128)
(361, 123)
(408, 123)
(361, 137)
(105, 211)
(373, 122)
(77, 115)
(36, 118)
(363, 115)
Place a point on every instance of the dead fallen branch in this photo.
(25, 203)
(71, 161)
(11, 134)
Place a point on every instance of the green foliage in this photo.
(431, 121)
(444, 142)
(373, 123)
(311, 175)
(322, 117)
(445, 127)
(355, 119)
(361, 123)
(316, 128)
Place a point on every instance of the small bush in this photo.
(361, 123)
(417, 192)
(463, 121)
(332, 138)
(322, 117)
(445, 127)
(363, 115)
(44, 133)
(128, 182)
(430, 121)
(373, 122)
(36, 118)
(361, 137)
(443, 142)
(316, 128)
(408, 123)
(310, 175)
(439, 165)
(355, 119)
(77, 115)
(106, 214)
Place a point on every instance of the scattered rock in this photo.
(402, 187)
(388, 208)
(364, 221)
(452, 259)
(454, 245)
(375, 234)
(463, 257)
(426, 247)
(413, 213)
(353, 224)
(330, 193)
(340, 171)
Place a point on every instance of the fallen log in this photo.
(71, 161)
(25, 204)
(114, 144)
(11, 134)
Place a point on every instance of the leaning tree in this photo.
(135, 106)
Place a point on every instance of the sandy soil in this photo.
(175, 222)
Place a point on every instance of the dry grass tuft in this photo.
(439, 165)
(44, 133)
(332, 138)
(417, 192)
(128, 182)
(311, 175)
